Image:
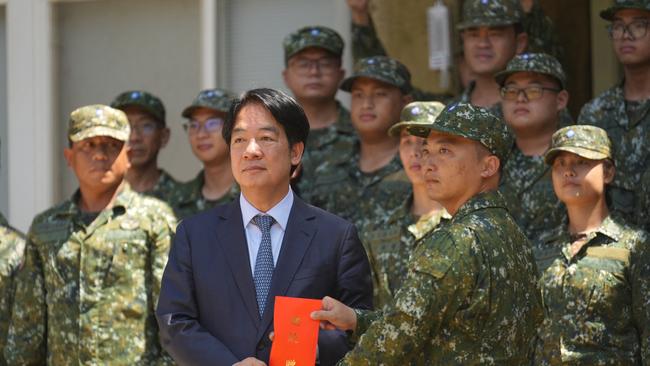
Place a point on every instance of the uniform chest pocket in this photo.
(611, 292)
(382, 245)
(130, 255)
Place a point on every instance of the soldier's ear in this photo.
(164, 136)
(610, 171)
(491, 164)
(522, 42)
(68, 154)
(562, 100)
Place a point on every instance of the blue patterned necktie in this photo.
(264, 261)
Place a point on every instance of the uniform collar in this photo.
(481, 201)
(125, 195)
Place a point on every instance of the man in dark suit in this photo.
(227, 264)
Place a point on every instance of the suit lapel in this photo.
(232, 239)
(297, 239)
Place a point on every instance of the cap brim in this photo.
(478, 23)
(145, 108)
(396, 129)
(346, 85)
(100, 131)
(332, 50)
(502, 76)
(580, 151)
(609, 13)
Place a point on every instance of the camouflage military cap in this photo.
(608, 14)
(539, 63)
(312, 36)
(217, 99)
(474, 123)
(416, 114)
(382, 68)
(98, 120)
(588, 141)
(142, 99)
(490, 13)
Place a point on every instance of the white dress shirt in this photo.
(279, 212)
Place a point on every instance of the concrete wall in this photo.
(4, 158)
(109, 46)
(254, 32)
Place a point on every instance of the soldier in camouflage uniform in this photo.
(149, 134)
(389, 239)
(313, 72)
(12, 248)
(596, 284)
(542, 36)
(214, 184)
(470, 296)
(93, 264)
(371, 180)
(624, 110)
(533, 95)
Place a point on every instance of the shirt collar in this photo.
(488, 199)
(280, 212)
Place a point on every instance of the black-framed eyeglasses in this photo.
(531, 92)
(326, 65)
(210, 126)
(636, 29)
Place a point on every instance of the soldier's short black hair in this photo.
(286, 111)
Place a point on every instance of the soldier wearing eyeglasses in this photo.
(149, 134)
(214, 184)
(624, 110)
(313, 73)
(533, 96)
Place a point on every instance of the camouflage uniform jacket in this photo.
(630, 146)
(335, 142)
(12, 248)
(643, 203)
(164, 188)
(470, 297)
(188, 199)
(342, 188)
(87, 292)
(596, 302)
(389, 241)
(527, 188)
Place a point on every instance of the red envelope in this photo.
(296, 334)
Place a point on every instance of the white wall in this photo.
(4, 159)
(109, 46)
(255, 30)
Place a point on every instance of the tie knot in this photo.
(264, 222)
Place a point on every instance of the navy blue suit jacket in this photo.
(207, 311)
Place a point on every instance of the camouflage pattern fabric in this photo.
(142, 99)
(596, 302)
(98, 120)
(87, 293)
(590, 142)
(466, 97)
(389, 240)
(539, 63)
(490, 13)
(216, 99)
(542, 35)
(342, 188)
(165, 187)
(471, 122)
(642, 210)
(381, 68)
(527, 188)
(12, 249)
(188, 200)
(630, 148)
(608, 14)
(416, 114)
(313, 36)
(325, 145)
(465, 281)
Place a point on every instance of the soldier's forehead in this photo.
(365, 82)
(438, 137)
